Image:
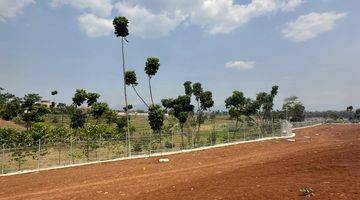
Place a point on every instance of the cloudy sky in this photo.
(308, 48)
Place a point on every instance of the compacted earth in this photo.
(324, 158)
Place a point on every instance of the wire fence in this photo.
(308, 122)
(44, 154)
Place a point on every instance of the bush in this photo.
(7, 135)
(168, 145)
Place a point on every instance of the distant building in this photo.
(46, 103)
(122, 113)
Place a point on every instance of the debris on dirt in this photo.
(308, 192)
(291, 140)
(164, 160)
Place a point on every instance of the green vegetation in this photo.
(89, 126)
(294, 109)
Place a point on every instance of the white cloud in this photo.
(291, 5)
(98, 7)
(311, 25)
(239, 64)
(10, 8)
(95, 26)
(146, 24)
(149, 19)
(223, 16)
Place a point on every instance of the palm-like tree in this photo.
(121, 30)
(54, 93)
(151, 67)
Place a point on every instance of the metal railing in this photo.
(44, 154)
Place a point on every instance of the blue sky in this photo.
(308, 48)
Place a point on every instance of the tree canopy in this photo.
(79, 97)
(152, 66)
(121, 26)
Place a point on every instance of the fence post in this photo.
(172, 141)
(129, 145)
(71, 151)
(3, 159)
(39, 153)
(228, 137)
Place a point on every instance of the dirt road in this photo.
(325, 158)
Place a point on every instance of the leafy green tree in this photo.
(181, 108)
(188, 88)
(77, 119)
(121, 30)
(5, 97)
(235, 103)
(11, 109)
(30, 100)
(349, 109)
(156, 119)
(357, 114)
(206, 102)
(121, 124)
(151, 67)
(34, 114)
(7, 135)
(62, 108)
(294, 109)
(19, 144)
(79, 97)
(92, 98)
(250, 109)
(197, 90)
(59, 136)
(91, 135)
(131, 80)
(266, 102)
(99, 109)
(110, 116)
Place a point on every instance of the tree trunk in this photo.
(140, 96)
(126, 102)
(151, 96)
(198, 128)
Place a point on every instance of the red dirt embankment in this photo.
(325, 158)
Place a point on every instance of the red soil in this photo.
(325, 158)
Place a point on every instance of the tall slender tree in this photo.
(121, 30)
(151, 67)
(54, 93)
(197, 90)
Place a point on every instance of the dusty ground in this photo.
(325, 158)
(10, 124)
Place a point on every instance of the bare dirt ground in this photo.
(325, 158)
(10, 124)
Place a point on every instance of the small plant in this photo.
(168, 145)
(308, 192)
